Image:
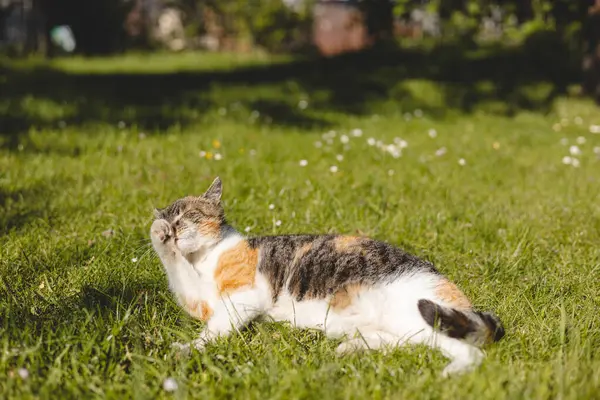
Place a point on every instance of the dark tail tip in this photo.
(452, 323)
(428, 310)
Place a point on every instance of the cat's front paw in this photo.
(160, 231)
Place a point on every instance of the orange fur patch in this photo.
(236, 268)
(345, 243)
(205, 312)
(199, 310)
(452, 295)
(210, 228)
(343, 297)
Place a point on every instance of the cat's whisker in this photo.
(143, 246)
(149, 251)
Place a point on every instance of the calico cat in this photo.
(369, 293)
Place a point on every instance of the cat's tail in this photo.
(475, 327)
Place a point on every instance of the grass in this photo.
(89, 147)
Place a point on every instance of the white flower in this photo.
(302, 104)
(333, 168)
(142, 135)
(329, 141)
(254, 114)
(594, 128)
(222, 111)
(567, 160)
(318, 144)
(402, 144)
(278, 222)
(303, 163)
(564, 141)
(575, 163)
(396, 153)
(271, 206)
(252, 152)
(557, 127)
(247, 229)
(390, 172)
(578, 120)
(418, 113)
(393, 150)
(62, 124)
(121, 125)
(462, 162)
(407, 116)
(344, 139)
(23, 373)
(574, 150)
(339, 157)
(134, 260)
(597, 150)
(440, 152)
(218, 156)
(371, 141)
(432, 133)
(357, 132)
(170, 385)
(581, 140)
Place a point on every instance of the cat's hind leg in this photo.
(463, 356)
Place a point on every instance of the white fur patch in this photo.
(382, 315)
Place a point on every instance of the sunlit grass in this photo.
(84, 304)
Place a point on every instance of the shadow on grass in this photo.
(435, 79)
(102, 302)
(20, 207)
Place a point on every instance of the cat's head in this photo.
(196, 222)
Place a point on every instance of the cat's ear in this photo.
(215, 190)
(157, 213)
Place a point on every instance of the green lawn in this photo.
(89, 147)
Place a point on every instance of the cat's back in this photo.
(314, 266)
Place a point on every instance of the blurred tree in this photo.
(591, 59)
(275, 25)
(552, 32)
